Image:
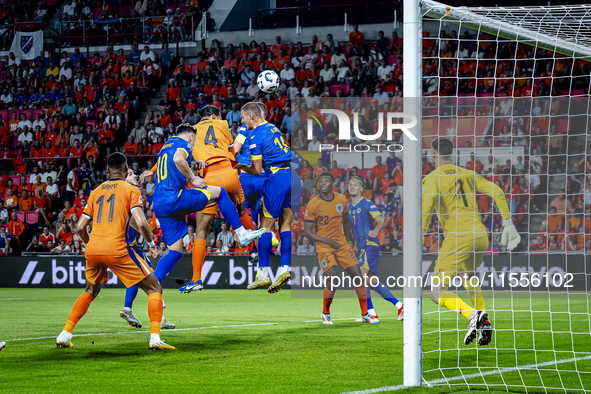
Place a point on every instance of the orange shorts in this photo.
(130, 268)
(343, 257)
(223, 175)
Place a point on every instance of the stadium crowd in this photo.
(62, 113)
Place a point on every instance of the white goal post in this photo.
(552, 350)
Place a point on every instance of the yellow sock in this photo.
(454, 303)
(475, 294)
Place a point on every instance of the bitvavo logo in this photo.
(345, 130)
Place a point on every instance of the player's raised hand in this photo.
(198, 182)
(510, 238)
(333, 244)
(199, 164)
(144, 175)
(154, 252)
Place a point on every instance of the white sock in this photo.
(284, 268)
(263, 272)
(398, 305)
(127, 309)
(241, 232)
(163, 304)
(372, 312)
(154, 338)
(67, 335)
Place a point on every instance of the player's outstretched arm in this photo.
(311, 235)
(138, 217)
(510, 238)
(429, 196)
(255, 168)
(81, 228)
(180, 160)
(238, 142)
(347, 229)
(147, 173)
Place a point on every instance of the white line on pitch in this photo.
(181, 329)
(474, 375)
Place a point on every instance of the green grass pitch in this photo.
(235, 341)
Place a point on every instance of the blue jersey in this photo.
(267, 144)
(169, 180)
(362, 217)
(244, 136)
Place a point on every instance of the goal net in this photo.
(510, 87)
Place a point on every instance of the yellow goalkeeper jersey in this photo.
(451, 191)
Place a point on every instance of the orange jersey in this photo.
(327, 217)
(109, 207)
(213, 141)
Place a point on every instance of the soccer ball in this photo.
(268, 81)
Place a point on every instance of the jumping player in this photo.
(451, 191)
(131, 292)
(252, 185)
(327, 215)
(362, 214)
(212, 146)
(173, 201)
(110, 207)
(269, 152)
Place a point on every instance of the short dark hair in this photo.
(116, 161)
(185, 128)
(443, 146)
(209, 110)
(327, 174)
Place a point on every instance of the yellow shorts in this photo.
(223, 175)
(343, 257)
(130, 268)
(460, 254)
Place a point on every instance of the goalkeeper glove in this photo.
(510, 238)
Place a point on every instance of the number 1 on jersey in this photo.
(460, 191)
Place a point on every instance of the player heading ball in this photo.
(269, 152)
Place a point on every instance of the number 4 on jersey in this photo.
(210, 137)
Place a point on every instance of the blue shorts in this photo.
(368, 257)
(140, 252)
(276, 194)
(296, 192)
(252, 186)
(171, 212)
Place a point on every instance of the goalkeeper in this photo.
(451, 190)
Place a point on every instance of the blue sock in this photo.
(166, 264)
(130, 294)
(265, 248)
(385, 293)
(285, 247)
(228, 209)
(255, 217)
